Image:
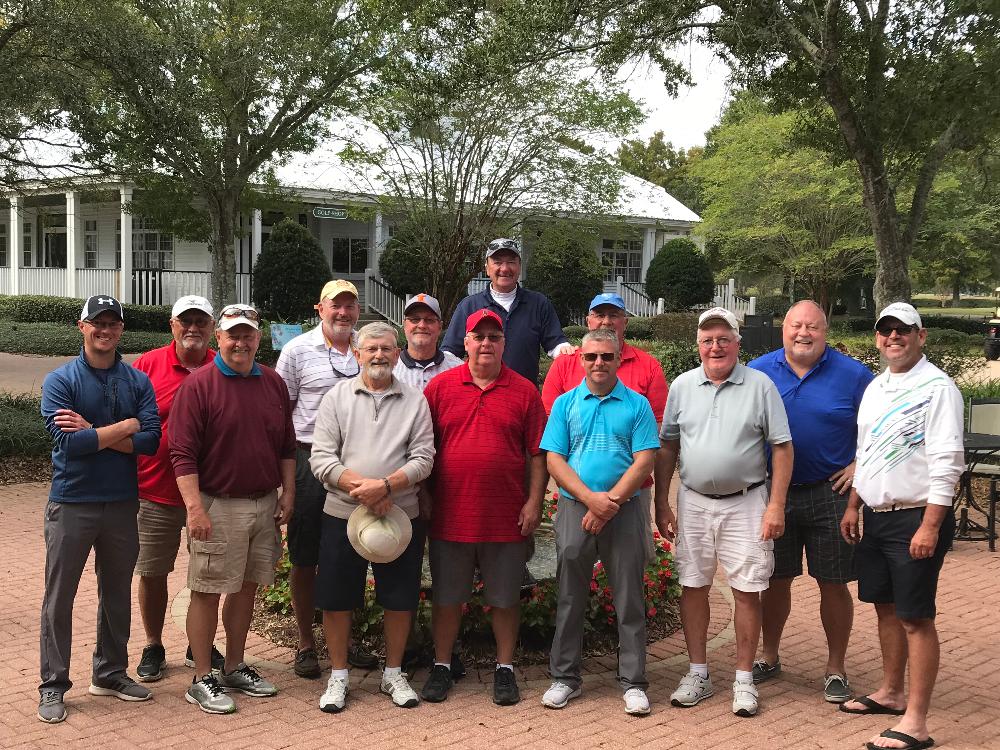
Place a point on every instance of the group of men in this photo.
(368, 451)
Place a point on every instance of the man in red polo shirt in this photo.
(488, 422)
(161, 510)
(639, 371)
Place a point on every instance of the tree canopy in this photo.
(656, 160)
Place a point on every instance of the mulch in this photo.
(17, 469)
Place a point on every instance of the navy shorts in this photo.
(307, 515)
(340, 582)
(812, 522)
(886, 572)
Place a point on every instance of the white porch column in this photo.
(16, 243)
(74, 236)
(125, 247)
(255, 237)
(648, 250)
(379, 244)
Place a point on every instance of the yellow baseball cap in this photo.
(338, 286)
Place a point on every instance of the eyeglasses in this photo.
(417, 320)
(384, 349)
(493, 338)
(612, 314)
(187, 322)
(605, 356)
(105, 325)
(722, 342)
(901, 329)
(229, 313)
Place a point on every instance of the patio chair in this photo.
(984, 417)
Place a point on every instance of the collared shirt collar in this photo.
(782, 361)
(735, 377)
(318, 339)
(83, 359)
(488, 297)
(502, 379)
(617, 392)
(175, 361)
(410, 362)
(229, 372)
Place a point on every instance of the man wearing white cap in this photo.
(373, 442)
(100, 414)
(161, 509)
(311, 364)
(422, 358)
(720, 418)
(232, 444)
(910, 455)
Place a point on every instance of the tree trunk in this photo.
(223, 210)
(892, 279)
(956, 291)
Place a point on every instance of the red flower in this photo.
(651, 612)
(609, 608)
(594, 586)
(611, 621)
(487, 608)
(656, 534)
(423, 596)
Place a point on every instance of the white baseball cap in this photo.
(903, 312)
(192, 302)
(237, 314)
(718, 313)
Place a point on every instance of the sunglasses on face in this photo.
(493, 338)
(236, 312)
(902, 330)
(605, 356)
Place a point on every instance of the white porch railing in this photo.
(725, 296)
(153, 287)
(381, 299)
(6, 287)
(477, 285)
(51, 281)
(91, 281)
(636, 301)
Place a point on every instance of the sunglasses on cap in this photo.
(605, 356)
(902, 329)
(229, 313)
(503, 244)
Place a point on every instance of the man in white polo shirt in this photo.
(310, 365)
(719, 419)
(910, 455)
(422, 358)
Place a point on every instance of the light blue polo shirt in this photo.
(598, 435)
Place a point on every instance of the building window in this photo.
(622, 258)
(350, 255)
(90, 244)
(26, 246)
(151, 249)
(4, 261)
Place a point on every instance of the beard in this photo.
(378, 372)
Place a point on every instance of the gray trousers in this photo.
(71, 531)
(621, 547)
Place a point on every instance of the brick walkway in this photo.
(964, 713)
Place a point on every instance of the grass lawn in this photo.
(961, 312)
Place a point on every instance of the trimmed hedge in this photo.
(965, 325)
(37, 308)
(61, 340)
(22, 430)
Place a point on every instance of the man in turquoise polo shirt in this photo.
(601, 439)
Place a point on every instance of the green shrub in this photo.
(22, 429)
(676, 326)
(61, 340)
(674, 357)
(680, 274)
(774, 304)
(949, 336)
(965, 325)
(981, 389)
(574, 333)
(289, 273)
(640, 328)
(37, 308)
(565, 269)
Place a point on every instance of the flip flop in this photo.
(871, 707)
(912, 743)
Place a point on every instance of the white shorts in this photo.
(726, 531)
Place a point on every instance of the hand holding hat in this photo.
(379, 539)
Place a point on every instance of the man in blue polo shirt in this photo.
(601, 439)
(821, 390)
(529, 319)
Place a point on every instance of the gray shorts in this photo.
(160, 527)
(501, 565)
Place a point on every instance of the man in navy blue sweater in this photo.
(100, 413)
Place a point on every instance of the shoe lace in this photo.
(692, 680)
(504, 677)
(336, 684)
(763, 666)
(830, 678)
(399, 682)
(212, 686)
(51, 697)
(249, 672)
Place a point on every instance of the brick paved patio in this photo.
(964, 713)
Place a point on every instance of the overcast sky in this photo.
(684, 119)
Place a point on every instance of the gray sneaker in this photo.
(209, 696)
(836, 689)
(51, 708)
(692, 689)
(762, 671)
(122, 687)
(248, 681)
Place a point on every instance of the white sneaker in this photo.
(559, 694)
(399, 690)
(636, 702)
(744, 699)
(692, 689)
(332, 701)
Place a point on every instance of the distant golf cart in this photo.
(991, 345)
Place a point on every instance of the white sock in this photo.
(699, 669)
(391, 672)
(443, 664)
(744, 676)
(340, 673)
(508, 666)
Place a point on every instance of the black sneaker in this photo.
(362, 658)
(457, 667)
(762, 671)
(218, 660)
(505, 692)
(307, 663)
(152, 663)
(439, 682)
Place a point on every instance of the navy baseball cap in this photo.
(607, 299)
(99, 303)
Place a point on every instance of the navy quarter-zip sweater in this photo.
(81, 473)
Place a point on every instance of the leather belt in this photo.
(242, 496)
(744, 491)
(807, 485)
